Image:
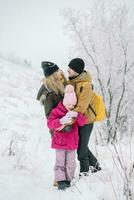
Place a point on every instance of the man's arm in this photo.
(84, 98)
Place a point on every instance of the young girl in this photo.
(65, 137)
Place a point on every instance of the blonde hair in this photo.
(55, 83)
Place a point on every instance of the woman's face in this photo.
(60, 74)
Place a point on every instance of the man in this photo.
(81, 80)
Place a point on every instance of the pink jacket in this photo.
(60, 139)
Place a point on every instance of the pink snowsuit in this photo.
(65, 143)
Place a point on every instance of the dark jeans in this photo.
(85, 156)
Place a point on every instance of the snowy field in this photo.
(26, 159)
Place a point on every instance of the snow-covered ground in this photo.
(26, 159)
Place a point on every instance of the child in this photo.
(65, 137)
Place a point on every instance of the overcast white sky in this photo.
(33, 29)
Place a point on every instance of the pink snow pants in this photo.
(65, 165)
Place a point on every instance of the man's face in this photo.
(71, 72)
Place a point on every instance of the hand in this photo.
(60, 128)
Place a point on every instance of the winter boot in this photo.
(55, 184)
(68, 184)
(62, 185)
(96, 168)
(82, 174)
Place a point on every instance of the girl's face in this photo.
(69, 107)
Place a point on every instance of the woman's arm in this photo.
(48, 105)
(42, 91)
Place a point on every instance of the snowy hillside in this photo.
(26, 159)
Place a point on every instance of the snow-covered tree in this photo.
(104, 37)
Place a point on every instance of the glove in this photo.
(72, 114)
(67, 128)
(65, 120)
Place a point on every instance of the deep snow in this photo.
(26, 169)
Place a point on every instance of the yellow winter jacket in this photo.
(85, 97)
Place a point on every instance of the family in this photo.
(69, 118)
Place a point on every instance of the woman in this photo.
(52, 89)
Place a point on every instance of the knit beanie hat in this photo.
(49, 68)
(77, 64)
(69, 96)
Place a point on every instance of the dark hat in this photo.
(49, 68)
(77, 64)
